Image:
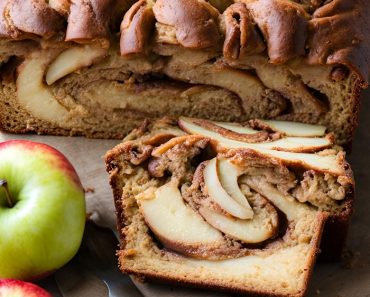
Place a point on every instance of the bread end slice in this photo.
(278, 266)
(285, 272)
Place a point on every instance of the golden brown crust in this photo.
(355, 119)
(195, 21)
(283, 24)
(241, 36)
(214, 285)
(290, 29)
(221, 5)
(347, 23)
(88, 20)
(112, 160)
(22, 18)
(136, 29)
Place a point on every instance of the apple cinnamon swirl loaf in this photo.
(98, 68)
(229, 206)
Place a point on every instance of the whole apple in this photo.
(42, 210)
(17, 288)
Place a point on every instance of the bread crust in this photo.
(241, 34)
(283, 25)
(16, 23)
(355, 119)
(90, 19)
(213, 285)
(136, 29)
(195, 21)
(348, 22)
(349, 42)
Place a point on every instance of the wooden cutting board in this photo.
(351, 278)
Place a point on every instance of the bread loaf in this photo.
(76, 68)
(228, 206)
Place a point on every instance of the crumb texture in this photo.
(169, 179)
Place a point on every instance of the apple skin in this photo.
(44, 229)
(17, 288)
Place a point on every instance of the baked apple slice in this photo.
(73, 59)
(287, 128)
(175, 224)
(33, 94)
(290, 144)
(263, 226)
(221, 179)
(216, 192)
(328, 163)
(228, 175)
(293, 128)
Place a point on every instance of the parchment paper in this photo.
(351, 278)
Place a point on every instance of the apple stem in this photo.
(4, 184)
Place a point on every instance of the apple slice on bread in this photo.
(294, 151)
(285, 127)
(217, 193)
(183, 139)
(43, 68)
(73, 59)
(32, 92)
(177, 225)
(232, 136)
(263, 226)
(228, 175)
(292, 128)
(221, 187)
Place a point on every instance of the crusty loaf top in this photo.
(323, 31)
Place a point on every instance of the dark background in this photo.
(351, 278)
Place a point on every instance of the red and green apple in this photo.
(42, 210)
(17, 288)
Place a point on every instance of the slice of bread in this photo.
(226, 206)
(252, 59)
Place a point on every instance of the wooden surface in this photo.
(351, 278)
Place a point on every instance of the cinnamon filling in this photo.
(248, 200)
(81, 79)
